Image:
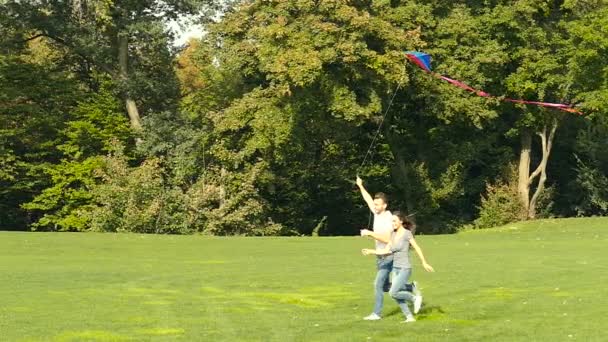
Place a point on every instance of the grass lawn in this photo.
(535, 281)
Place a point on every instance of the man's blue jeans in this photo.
(384, 267)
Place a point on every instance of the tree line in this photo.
(261, 126)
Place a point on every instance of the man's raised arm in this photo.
(366, 196)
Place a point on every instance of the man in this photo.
(382, 230)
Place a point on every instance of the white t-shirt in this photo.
(383, 224)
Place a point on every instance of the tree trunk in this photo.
(223, 174)
(525, 178)
(523, 185)
(123, 61)
(547, 142)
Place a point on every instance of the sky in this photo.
(183, 34)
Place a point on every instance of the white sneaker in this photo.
(409, 319)
(372, 317)
(417, 303)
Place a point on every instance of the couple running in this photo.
(393, 236)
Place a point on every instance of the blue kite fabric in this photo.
(423, 60)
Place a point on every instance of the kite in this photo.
(423, 61)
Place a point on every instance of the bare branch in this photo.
(551, 135)
(543, 166)
(535, 174)
(33, 37)
(543, 139)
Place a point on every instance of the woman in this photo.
(399, 245)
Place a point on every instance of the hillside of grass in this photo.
(541, 280)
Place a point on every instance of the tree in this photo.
(111, 48)
(34, 104)
(92, 128)
(547, 45)
(440, 136)
(538, 48)
(588, 57)
(301, 70)
(125, 39)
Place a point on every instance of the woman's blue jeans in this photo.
(400, 278)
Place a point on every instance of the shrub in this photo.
(500, 205)
(135, 199)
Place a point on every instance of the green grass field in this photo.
(536, 281)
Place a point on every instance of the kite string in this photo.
(372, 145)
(378, 130)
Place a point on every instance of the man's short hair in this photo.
(382, 196)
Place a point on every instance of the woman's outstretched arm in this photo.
(418, 250)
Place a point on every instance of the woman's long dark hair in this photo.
(407, 223)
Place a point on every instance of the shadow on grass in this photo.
(427, 312)
(430, 312)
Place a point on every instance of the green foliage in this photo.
(95, 126)
(90, 35)
(449, 183)
(546, 203)
(277, 106)
(135, 199)
(593, 184)
(588, 55)
(587, 191)
(314, 71)
(139, 199)
(67, 198)
(500, 204)
(35, 99)
(238, 209)
(180, 143)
